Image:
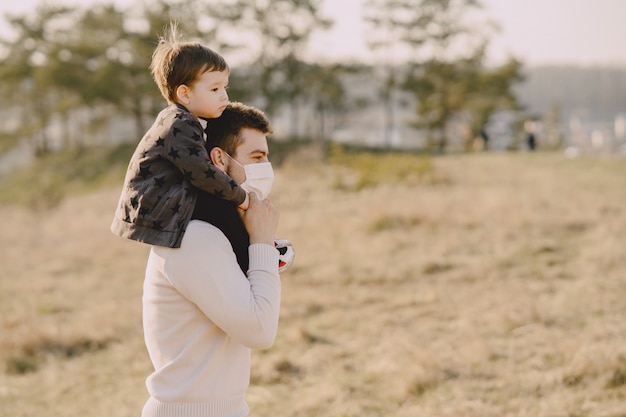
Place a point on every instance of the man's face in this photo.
(207, 96)
(252, 150)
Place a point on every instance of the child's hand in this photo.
(246, 203)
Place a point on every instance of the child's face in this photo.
(207, 96)
(252, 150)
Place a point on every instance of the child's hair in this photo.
(176, 62)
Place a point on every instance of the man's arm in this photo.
(206, 272)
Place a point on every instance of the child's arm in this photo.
(184, 147)
(245, 204)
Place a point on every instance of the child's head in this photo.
(178, 66)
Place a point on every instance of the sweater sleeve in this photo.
(206, 272)
(185, 149)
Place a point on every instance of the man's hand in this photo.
(261, 220)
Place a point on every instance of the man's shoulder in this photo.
(206, 232)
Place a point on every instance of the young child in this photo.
(170, 162)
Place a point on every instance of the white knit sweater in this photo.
(201, 317)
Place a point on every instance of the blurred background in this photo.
(452, 174)
(444, 76)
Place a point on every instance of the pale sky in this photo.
(581, 32)
(584, 32)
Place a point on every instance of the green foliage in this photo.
(46, 182)
(32, 355)
(22, 363)
(63, 59)
(366, 168)
(392, 222)
(445, 86)
(7, 141)
(82, 66)
(278, 75)
(461, 88)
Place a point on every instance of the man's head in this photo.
(190, 74)
(238, 137)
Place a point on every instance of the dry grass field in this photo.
(483, 285)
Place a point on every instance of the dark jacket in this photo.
(165, 172)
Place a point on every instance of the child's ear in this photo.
(182, 94)
(218, 157)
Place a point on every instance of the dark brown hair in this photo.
(176, 62)
(224, 131)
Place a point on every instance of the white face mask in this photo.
(259, 178)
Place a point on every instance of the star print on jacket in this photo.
(167, 168)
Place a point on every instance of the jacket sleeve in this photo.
(206, 272)
(184, 147)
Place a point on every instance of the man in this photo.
(205, 304)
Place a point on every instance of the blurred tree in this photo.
(92, 64)
(431, 33)
(438, 89)
(315, 88)
(328, 96)
(414, 28)
(464, 87)
(270, 36)
(115, 47)
(393, 25)
(26, 68)
(91, 58)
(130, 56)
(68, 62)
(300, 75)
(489, 90)
(87, 66)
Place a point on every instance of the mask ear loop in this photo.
(238, 163)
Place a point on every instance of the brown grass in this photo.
(496, 287)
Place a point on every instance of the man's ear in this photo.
(182, 94)
(219, 158)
